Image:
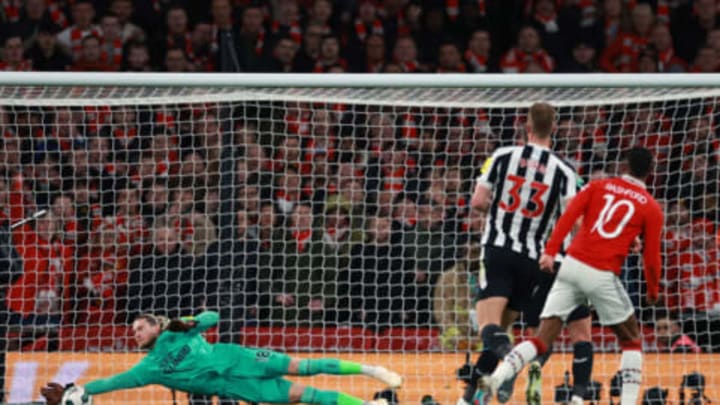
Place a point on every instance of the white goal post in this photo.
(325, 215)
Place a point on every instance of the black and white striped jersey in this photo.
(530, 187)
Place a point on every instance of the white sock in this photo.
(631, 368)
(515, 361)
(368, 370)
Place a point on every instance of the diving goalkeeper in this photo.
(180, 358)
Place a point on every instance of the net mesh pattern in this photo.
(321, 222)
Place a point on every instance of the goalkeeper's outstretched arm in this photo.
(202, 321)
(132, 378)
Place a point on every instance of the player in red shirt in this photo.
(614, 212)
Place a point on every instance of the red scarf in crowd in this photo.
(477, 62)
(549, 22)
(114, 58)
(56, 14)
(409, 67)
(76, 37)
(362, 32)
(11, 8)
(295, 30)
(23, 66)
(301, 238)
(452, 7)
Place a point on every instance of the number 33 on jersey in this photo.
(530, 185)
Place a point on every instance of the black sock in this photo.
(496, 339)
(543, 358)
(485, 364)
(582, 367)
(496, 344)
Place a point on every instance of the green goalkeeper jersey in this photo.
(184, 361)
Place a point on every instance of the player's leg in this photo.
(614, 309)
(306, 367)
(564, 296)
(628, 334)
(531, 318)
(496, 288)
(309, 395)
(579, 330)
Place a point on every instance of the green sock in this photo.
(329, 366)
(315, 396)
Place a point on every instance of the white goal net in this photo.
(322, 222)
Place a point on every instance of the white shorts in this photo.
(577, 283)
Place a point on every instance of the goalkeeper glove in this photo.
(53, 392)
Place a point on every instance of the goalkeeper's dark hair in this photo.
(640, 161)
(153, 320)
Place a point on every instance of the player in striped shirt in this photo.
(614, 212)
(524, 189)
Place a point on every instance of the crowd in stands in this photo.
(327, 216)
(474, 36)
(331, 214)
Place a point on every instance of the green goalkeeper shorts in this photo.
(243, 362)
(260, 390)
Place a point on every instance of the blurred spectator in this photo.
(111, 51)
(288, 191)
(329, 289)
(670, 338)
(435, 30)
(137, 58)
(63, 208)
(177, 34)
(329, 54)
(130, 221)
(102, 276)
(283, 56)
(231, 276)
(622, 54)
(449, 59)
(35, 299)
(83, 14)
(310, 50)
(706, 61)
(552, 33)
(691, 24)
(452, 300)
(366, 24)
(154, 201)
(699, 269)
(252, 41)
(12, 55)
(371, 267)
(286, 21)
(527, 53)
(616, 20)
(123, 9)
(162, 281)
(661, 39)
(478, 54)
(203, 48)
(46, 54)
(319, 14)
(35, 13)
(405, 54)
(648, 60)
(425, 256)
(373, 58)
(91, 57)
(583, 59)
(176, 61)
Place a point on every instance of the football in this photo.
(74, 396)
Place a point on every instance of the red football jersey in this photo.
(614, 212)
